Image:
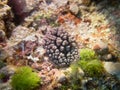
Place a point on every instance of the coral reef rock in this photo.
(3, 54)
(2, 38)
(22, 8)
(101, 48)
(113, 68)
(74, 8)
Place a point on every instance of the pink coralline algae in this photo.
(25, 48)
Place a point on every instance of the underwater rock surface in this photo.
(113, 68)
(94, 24)
(21, 8)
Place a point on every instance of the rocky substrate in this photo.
(94, 24)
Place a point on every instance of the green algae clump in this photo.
(90, 64)
(25, 79)
(94, 68)
(87, 54)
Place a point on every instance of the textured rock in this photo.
(2, 25)
(103, 83)
(60, 3)
(2, 64)
(3, 54)
(19, 33)
(106, 57)
(25, 48)
(112, 68)
(2, 37)
(62, 80)
(74, 8)
(101, 48)
(8, 70)
(84, 2)
(18, 7)
(22, 8)
(5, 86)
(4, 8)
(6, 17)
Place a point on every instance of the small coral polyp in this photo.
(61, 48)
